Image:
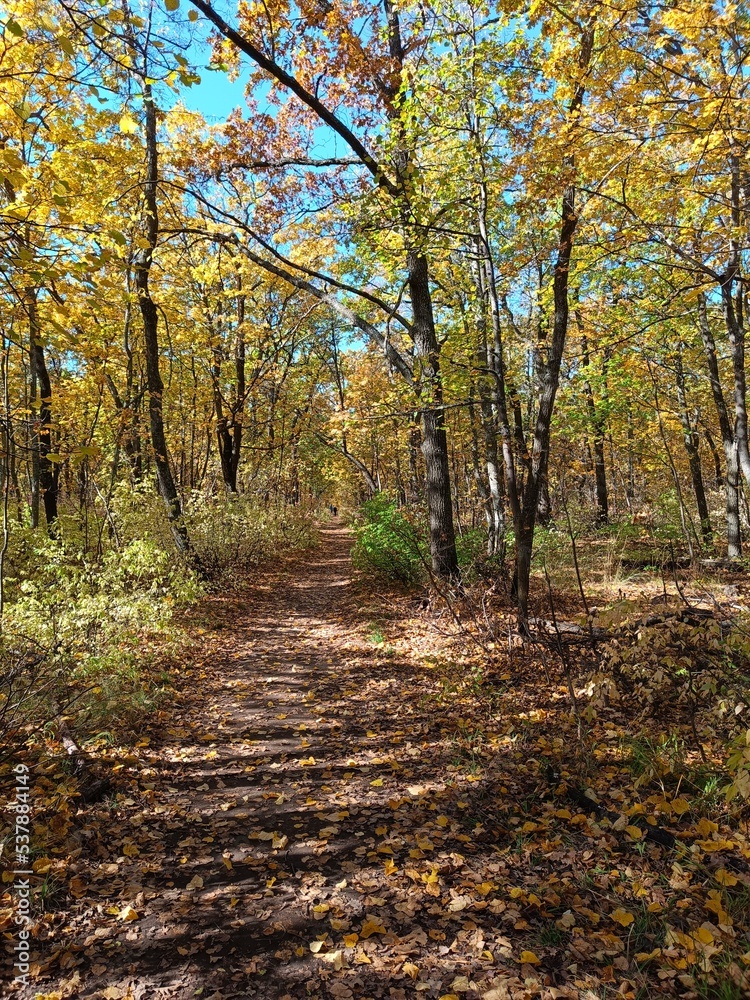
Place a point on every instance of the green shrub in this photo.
(88, 618)
(390, 541)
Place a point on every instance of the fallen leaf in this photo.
(371, 926)
(528, 958)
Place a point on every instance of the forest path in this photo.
(345, 801)
(279, 839)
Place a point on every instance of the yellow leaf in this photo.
(307, 761)
(128, 124)
(127, 913)
(724, 878)
(635, 832)
(410, 969)
(172, 4)
(622, 916)
(195, 883)
(390, 867)
(703, 935)
(377, 783)
(315, 946)
(371, 926)
(350, 940)
(680, 806)
(280, 840)
(646, 956)
(528, 958)
(130, 851)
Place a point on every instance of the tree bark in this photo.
(150, 318)
(598, 433)
(732, 302)
(690, 438)
(731, 483)
(434, 439)
(46, 473)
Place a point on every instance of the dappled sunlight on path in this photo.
(259, 858)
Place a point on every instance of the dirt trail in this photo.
(332, 809)
(253, 859)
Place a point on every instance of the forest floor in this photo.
(334, 806)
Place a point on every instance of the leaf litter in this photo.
(326, 813)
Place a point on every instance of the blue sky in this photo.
(216, 95)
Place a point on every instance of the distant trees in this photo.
(470, 255)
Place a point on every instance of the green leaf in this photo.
(14, 28)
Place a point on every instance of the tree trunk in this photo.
(718, 477)
(47, 475)
(690, 437)
(549, 371)
(238, 410)
(731, 485)
(732, 303)
(479, 481)
(434, 440)
(150, 319)
(491, 491)
(596, 422)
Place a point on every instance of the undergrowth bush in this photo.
(232, 534)
(88, 626)
(390, 540)
(86, 633)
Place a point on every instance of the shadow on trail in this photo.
(299, 833)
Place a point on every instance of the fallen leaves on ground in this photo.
(444, 834)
